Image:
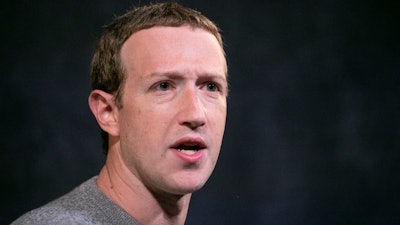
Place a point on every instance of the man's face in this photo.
(173, 107)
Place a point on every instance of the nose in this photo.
(192, 110)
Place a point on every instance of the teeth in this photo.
(189, 152)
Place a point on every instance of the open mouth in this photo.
(189, 148)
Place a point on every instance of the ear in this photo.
(105, 111)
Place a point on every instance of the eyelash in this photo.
(162, 83)
(214, 86)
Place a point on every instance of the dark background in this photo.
(313, 133)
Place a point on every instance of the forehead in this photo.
(163, 28)
(162, 44)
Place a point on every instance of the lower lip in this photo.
(193, 158)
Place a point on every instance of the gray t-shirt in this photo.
(86, 204)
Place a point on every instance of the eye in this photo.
(163, 86)
(211, 86)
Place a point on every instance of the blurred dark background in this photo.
(313, 133)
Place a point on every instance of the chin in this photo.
(188, 186)
(186, 181)
(193, 188)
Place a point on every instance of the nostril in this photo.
(194, 124)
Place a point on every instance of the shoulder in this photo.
(50, 215)
(72, 208)
(86, 204)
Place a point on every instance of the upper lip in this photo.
(189, 143)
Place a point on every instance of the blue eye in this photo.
(164, 86)
(211, 87)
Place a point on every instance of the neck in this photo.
(146, 206)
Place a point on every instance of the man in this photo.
(159, 78)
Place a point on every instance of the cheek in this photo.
(217, 126)
(131, 127)
(143, 126)
(218, 116)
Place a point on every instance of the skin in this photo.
(174, 94)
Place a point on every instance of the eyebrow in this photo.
(169, 74)
(177, 75)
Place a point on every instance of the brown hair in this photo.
(107, 73)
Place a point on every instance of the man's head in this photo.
(107, 72)
(165, 109)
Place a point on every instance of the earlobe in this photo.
(105, 111)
